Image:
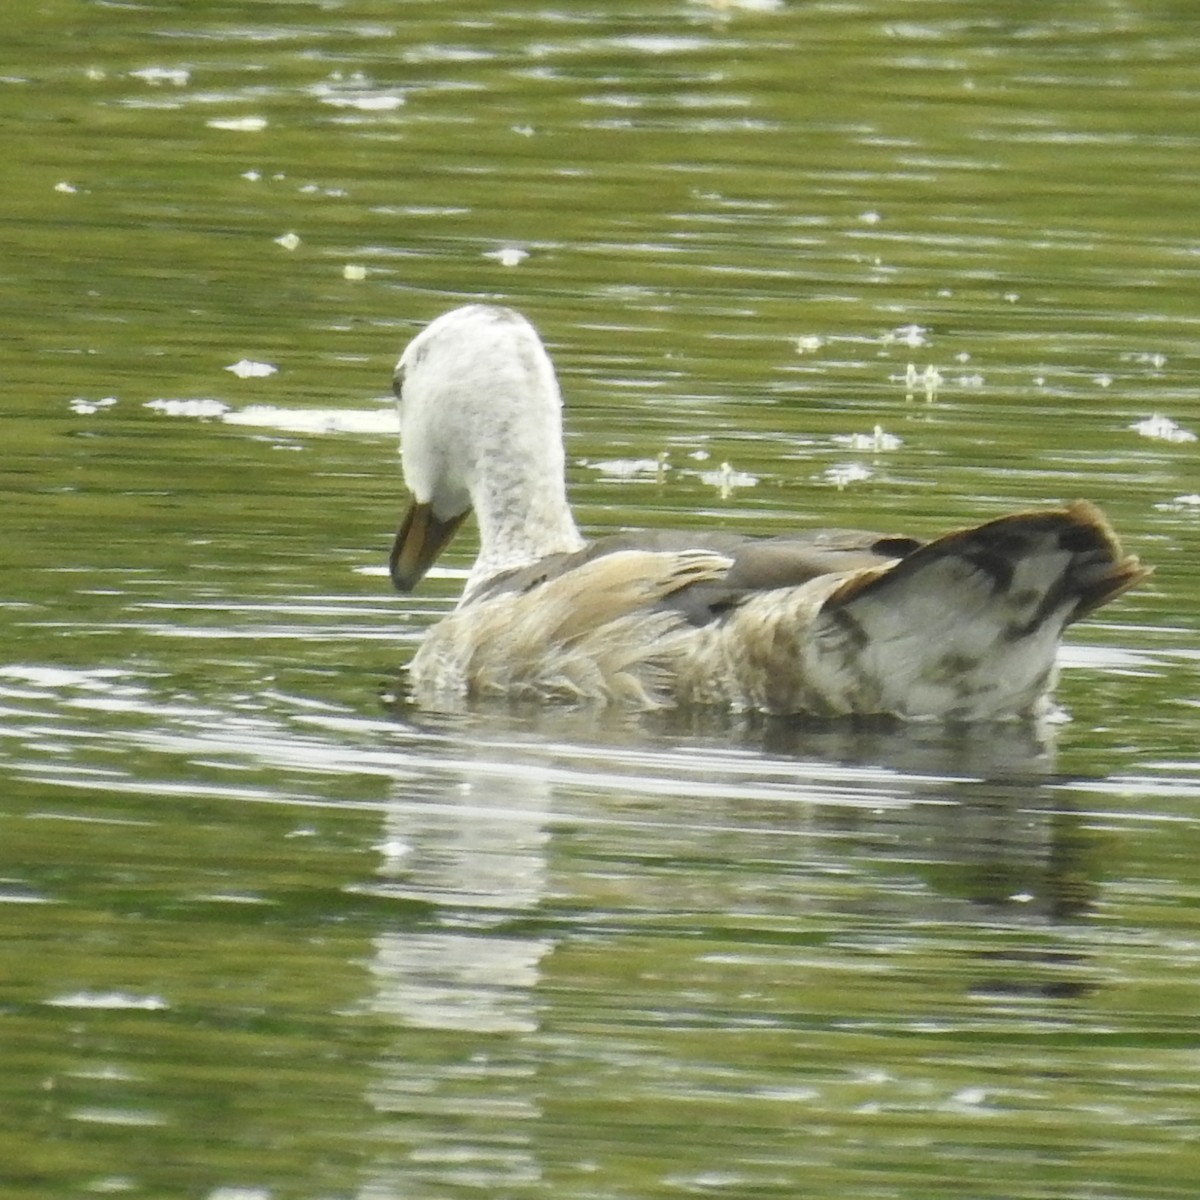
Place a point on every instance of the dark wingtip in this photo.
(1097, 572)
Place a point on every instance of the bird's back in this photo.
(831, 623)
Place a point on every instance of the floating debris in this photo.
(930, 379)
(123, 1000)
(157, 76)
(315, 189)
(725, 479)
(1146, 358)
(724, 7)
(67, 189)
(877, 441)
(969, 1097)
(85, 408)
(907, 335)
(246, 368)
(1162, 429)
(375, 102)
(632, 468)
(1187, 503)
(870, 217)
(508, 256)
(356, 90)
(844, 474)
(205, 410)
(238, 124)
(808, 343)
(384, 420)
(239, 1192)
(354, 271)
(289, 241)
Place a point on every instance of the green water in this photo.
(266, 931)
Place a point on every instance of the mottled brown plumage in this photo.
(829, 622)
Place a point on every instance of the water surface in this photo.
(269, 931)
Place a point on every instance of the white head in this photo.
(481, 428)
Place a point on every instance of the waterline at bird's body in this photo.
(828, 622)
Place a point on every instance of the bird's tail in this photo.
(963, 628)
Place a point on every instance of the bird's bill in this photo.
(420, 539)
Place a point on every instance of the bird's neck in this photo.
(522, 519)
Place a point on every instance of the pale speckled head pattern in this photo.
(481, 428)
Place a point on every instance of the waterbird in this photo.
(828, 622)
